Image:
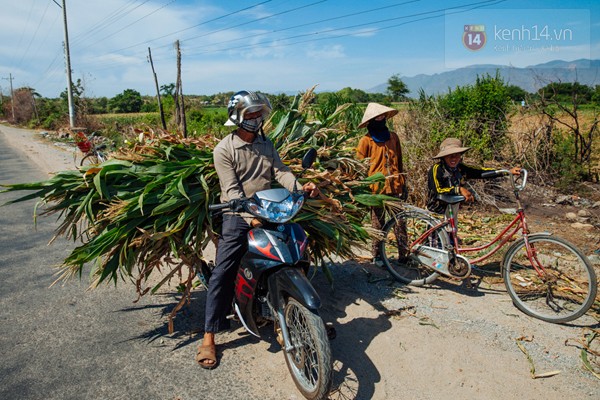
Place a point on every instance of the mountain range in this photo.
(529, 78)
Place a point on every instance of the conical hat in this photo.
(375, 110)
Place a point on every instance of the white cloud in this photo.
(326, 52)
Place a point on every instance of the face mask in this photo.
(379, 131)
(251, 125)
(377, 125)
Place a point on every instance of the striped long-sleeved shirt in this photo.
(443, 180)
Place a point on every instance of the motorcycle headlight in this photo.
(275, 208)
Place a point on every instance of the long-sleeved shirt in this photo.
(443, 180)
(246, 168)
(385, 158)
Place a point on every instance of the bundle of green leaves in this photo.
(145, 210)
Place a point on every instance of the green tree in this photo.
(129, 101)
(397, 89)
(568, 92)
(280, 101)
(596, 95)
(354, 95)
(571, 133)
(50, 112)
(77, 90)
(99, 105)
(168, 90)
(516, 93)
(477, 114)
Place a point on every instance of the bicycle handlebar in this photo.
(513, 180)
(523, 180)
(495, 174)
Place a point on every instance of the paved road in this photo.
(65, 342)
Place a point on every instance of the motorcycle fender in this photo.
(292, 282)
(247, 321)
(245, 286)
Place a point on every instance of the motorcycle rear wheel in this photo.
(309, 361)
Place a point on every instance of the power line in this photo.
(25, 28)
(215, 19)
(439, 11)
(310, 23)
(34, 35)
(271, 16)
(100, 25)
(255, 20)
(423, 16)
(131, 24)
(193, 26)
(316, 35)
(112, 18)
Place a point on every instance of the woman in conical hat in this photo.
(382, 147)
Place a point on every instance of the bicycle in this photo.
(93, 153)
(546, 276)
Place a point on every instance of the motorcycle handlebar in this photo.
(215, 207)
(238, 204)
(233, 205)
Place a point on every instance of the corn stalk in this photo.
(146, 209)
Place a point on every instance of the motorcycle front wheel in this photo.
(309, 360)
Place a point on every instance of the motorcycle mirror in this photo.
(309, 158)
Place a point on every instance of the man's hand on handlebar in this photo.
(311, 188)
(235, 205)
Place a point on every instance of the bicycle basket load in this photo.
(83, 142)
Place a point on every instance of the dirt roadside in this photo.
(445, 341)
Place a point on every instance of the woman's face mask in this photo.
(252, 125)
(377, 125)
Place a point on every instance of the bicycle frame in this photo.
(518, 224)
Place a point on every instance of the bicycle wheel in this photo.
(91, 159)
(399, 233)
(563, 292)
(309, 361)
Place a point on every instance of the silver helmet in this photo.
(244, 102)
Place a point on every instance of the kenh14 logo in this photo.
(474, 37)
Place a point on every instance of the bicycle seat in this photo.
(450, 199)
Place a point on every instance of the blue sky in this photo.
(280, 45)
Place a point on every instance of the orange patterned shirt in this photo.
(385, 158)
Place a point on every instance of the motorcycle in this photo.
(272, 286)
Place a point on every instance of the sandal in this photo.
(206, 354)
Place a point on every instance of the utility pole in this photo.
(179, 106)
(68, 62)
(160, 109)
(12, 96)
